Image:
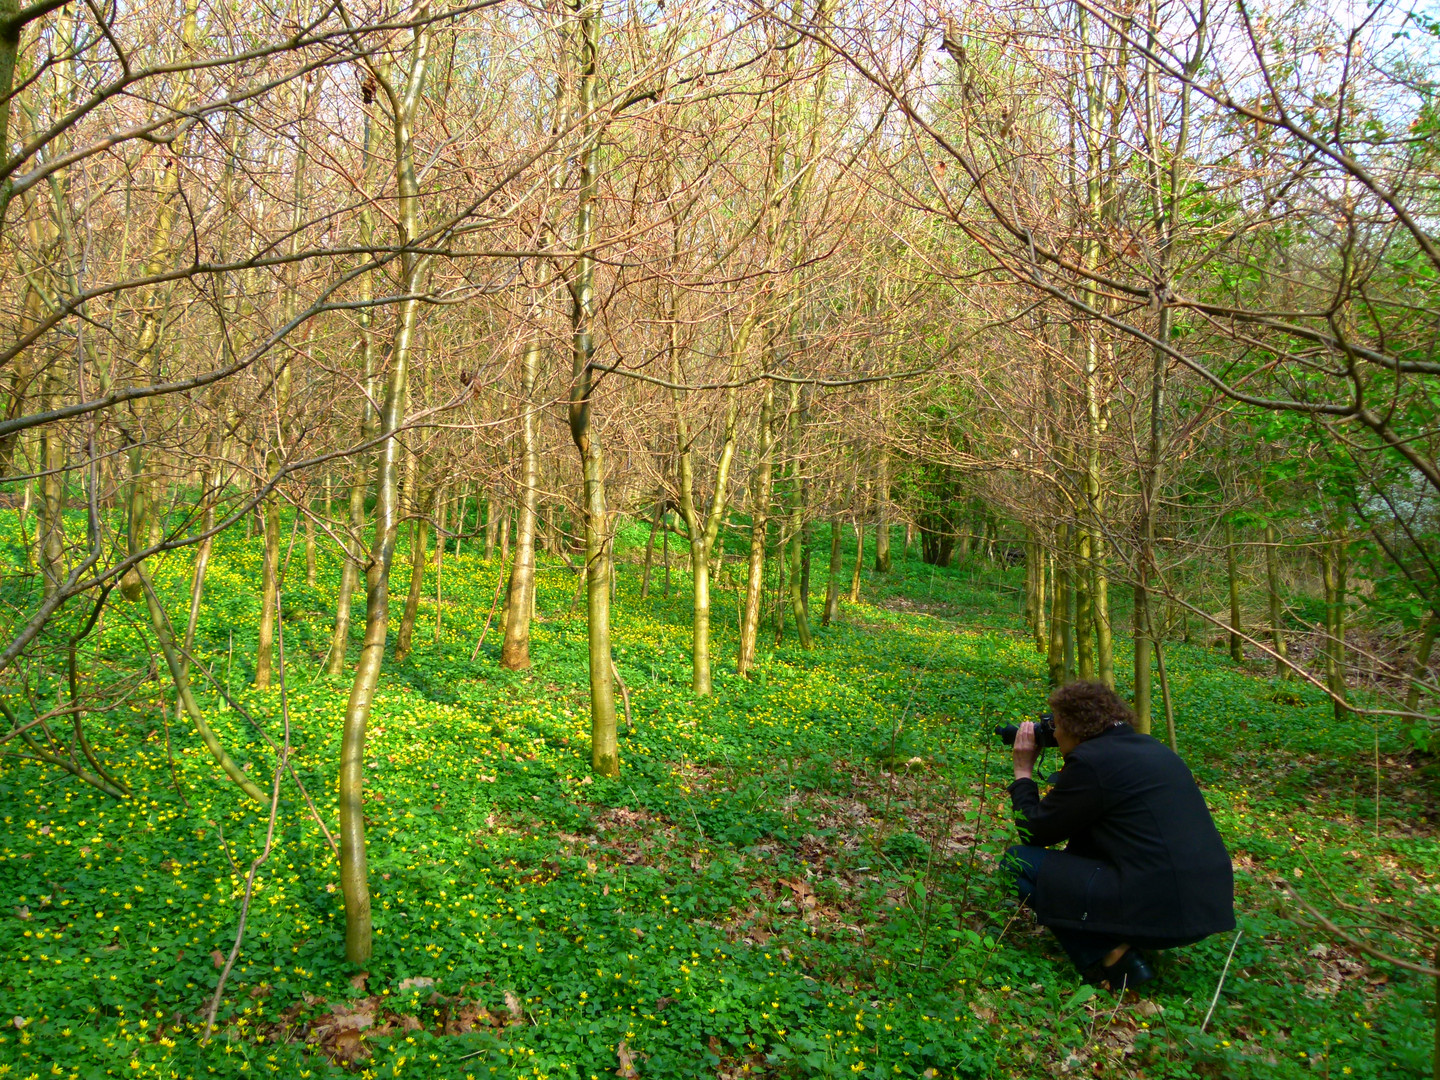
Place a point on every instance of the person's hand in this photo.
(1025, 751)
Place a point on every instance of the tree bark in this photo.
(759, 518)
(1272, 584)
(859, 562)
(520, 600)
(882, 516)
(1232, 573)
(354, 874)
(832, 585)
(604, 747)
(419, 545)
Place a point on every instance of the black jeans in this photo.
(1086, 948)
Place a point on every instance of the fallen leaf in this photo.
(358, 981)
(627, 1070)
(218, 958)
(420, 982)
(349, 1048)
(513, 1007)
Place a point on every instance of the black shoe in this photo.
(1130, 972)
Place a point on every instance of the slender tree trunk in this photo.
(1421, 667)
(354, 873)
(604, 748)
(650, 545)
(704, 533)
(419, 545)
(490, 529)
(309, 543)
(520, 601)
(832, 585)
(1272, 583)
(882, 516)
(441, 505)
(160, 623)
(1084, 629)
(350, 572)
(1334, 572)
(1060, 612)
(796, 423)
(50, 521)
(270, 591)
(1237, 645)
(859, 562)
(504, 532)
(759, 518)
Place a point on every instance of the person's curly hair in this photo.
(1085, 709)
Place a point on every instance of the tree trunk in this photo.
(882, 516)
(796, 422)
(650, 545)
(490, 529)
(309, 543)
(269, 593)
(604, 748)
(1272, 585)
(441, 505)
(1060, 612)
(419, 545)
(832, 585)
(759, 517)
(1334, 573)
(1237, 645)
(859, 562)
(1422, 663)
(1084, 629)
(520, 601)
(354, 874)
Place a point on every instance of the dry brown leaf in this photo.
(218, 957)
(627, 1070)
(513, 1007)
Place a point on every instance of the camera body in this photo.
(1044, 732)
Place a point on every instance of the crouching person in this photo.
(1143, 866)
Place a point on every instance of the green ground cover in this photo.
(792, 878)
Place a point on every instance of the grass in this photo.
(795, 877)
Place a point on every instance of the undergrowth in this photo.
(794, 877)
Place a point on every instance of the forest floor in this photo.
(794, 877)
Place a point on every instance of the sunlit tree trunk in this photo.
(604, 747)
(650, 543)
(354, 875)
(859, 562)
(882, 515)
(759, 519)
(520, 599)
(419, 547)
(703, 532)
(832, 584)
(797, 521)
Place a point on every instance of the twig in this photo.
(269, 836)
(1359, 943)
(1223, 972)
(494, 604)
(624, 694)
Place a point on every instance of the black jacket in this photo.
(1143, 858)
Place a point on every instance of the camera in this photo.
(1044, 732)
